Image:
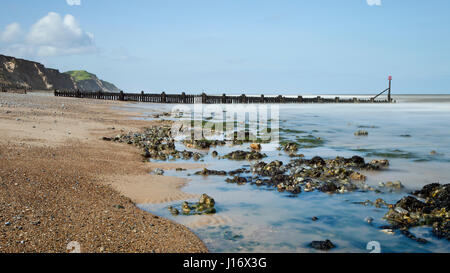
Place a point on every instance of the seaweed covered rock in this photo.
(322, 245)
(205, 205)
(396, 185)
(206, 172)
(442, 230)
(433, 209)
(244, 155)
(361, 133)
(329, 187)
(290, 147)
(156, 143)
(203, 143)
(237, 180)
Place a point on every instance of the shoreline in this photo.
(60, 182)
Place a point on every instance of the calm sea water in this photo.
(259, 219)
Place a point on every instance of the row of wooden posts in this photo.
(184, 98)
(13, 90)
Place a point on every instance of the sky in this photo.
(239, 46)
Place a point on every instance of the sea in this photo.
(412, 133)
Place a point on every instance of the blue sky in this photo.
(289, 47)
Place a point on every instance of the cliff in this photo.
(19, 73)
(31, 75)
(88, 81)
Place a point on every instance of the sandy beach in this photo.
(60, 182)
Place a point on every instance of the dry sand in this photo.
(60, 182)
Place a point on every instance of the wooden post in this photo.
(224, 98)
(121, 96)
(300, 99)
(389, 92)
(336, 99)
(355, 100)
(183, 97)
(163, 97)
(262, 98)
(204, 97)
(243, 98)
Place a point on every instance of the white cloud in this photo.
(73, 2)
(53, 35)
(12, 33)
(374, 2)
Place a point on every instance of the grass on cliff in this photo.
(81, 75)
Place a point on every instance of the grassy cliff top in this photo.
(81, 75)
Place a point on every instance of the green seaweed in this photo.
(292, 131)
(392, 153)
(306, 142)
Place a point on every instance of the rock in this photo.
(185, 208)
(368, 220)
(433, 152)
(244, 155)
(206, 172)
(119, 207)
(314, 218)
(214, 154)
(294, 189)
(357, 161)
(381, 163)
(397, 185)
(237, 180)
(361, 133)
(206, 200)
(358, 176)
(158, 171)
(329, 187)
(442, 230)
(322, 245)
(432, 210)
(427, 190)
(255, 146)
(317, 160)
(410, 204)
(290, 147)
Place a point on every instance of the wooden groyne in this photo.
(209, 99)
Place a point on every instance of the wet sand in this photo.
(60, 182)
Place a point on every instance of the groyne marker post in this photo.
(389, 92)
